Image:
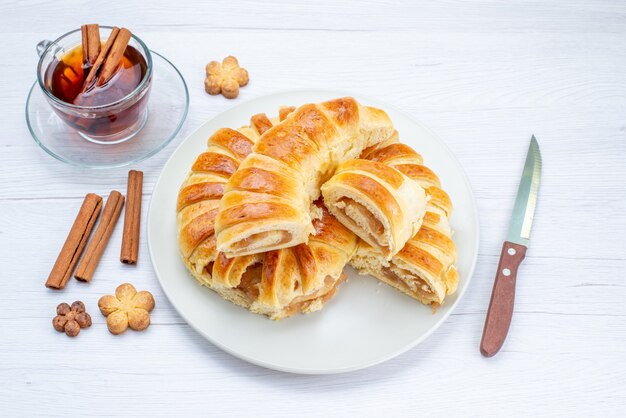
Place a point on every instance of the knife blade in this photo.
(500, 310)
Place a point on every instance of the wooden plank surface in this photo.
(483, 75)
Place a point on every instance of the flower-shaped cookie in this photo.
(127, 308)
(71, 318)
(225, 78)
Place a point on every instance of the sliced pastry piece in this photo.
(268, 204)
(425, 267)
(377, 202)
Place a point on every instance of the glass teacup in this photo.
(109, 115)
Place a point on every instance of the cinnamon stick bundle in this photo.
(108, 59)
(91, 43)
(132, 218)
(75, 242)
(100, 239)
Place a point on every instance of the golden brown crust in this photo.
(284, 112)
(288, 145)
(198, 192)
(232, 141)
(259, 180)
(252, 212)
(261, 123)
(382, 197)
(197, 230)
(392, 152)
(390, 176)
(345, 111)
(421, 172)
(215, 163)
(305, 147)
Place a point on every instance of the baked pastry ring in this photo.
(425, 267)
(301, 278)
(277, 283)
(267, 205)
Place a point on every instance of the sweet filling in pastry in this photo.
(303, 303)
(208, 269)
(250, 280)
(263, 239)
(409, 282)
(362, 219)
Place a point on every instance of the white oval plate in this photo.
(366, 323)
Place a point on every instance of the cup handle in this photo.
(44, 45)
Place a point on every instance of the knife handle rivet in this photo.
(506, 272)
(511, 251)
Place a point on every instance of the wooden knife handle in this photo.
(502, 298)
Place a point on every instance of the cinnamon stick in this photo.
(109, 58)
(132, 218)
(93, 72)
(100, 239)
(75, 242)
(91, 43)
(114, 57)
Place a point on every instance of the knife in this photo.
(513, 252)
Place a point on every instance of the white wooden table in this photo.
(482, 75)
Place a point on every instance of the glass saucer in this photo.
(167, 109)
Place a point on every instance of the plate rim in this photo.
(353, 367)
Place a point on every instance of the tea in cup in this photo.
(98, 87)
